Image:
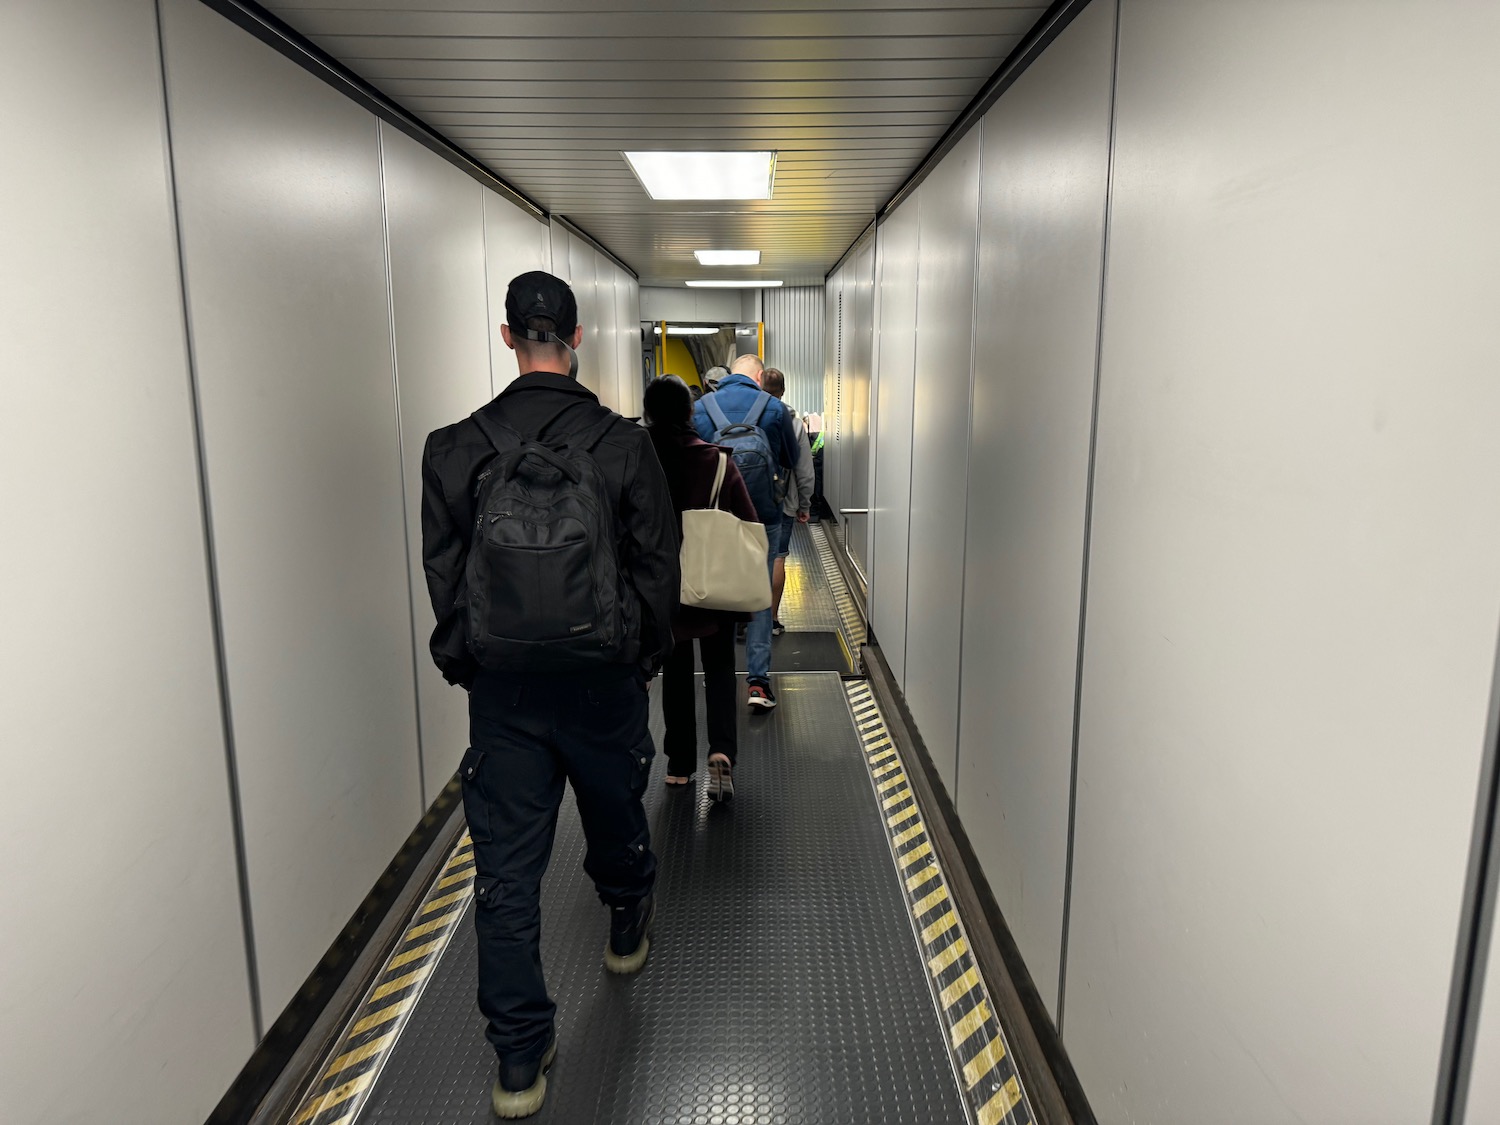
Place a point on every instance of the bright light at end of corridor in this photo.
(704, 175)
(727, 257)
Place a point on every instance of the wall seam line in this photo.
(411, 590)
(489, 309)
(963, 554)
(1475, 930)
(1088, 534)
(877, 274)
(211, 559)
(911, 414)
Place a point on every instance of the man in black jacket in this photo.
(532, 728)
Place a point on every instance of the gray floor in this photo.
(810, 613)
(808, 605)
(784, 987)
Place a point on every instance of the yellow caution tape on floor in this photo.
(982, 1061)
(352, 1065)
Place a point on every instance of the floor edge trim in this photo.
(989, 1080)
(349, 1069)
(1047, 1072)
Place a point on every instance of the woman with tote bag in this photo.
(693, 468)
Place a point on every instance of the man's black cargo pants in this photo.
(527, 738)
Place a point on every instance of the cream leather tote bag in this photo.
(724, 558)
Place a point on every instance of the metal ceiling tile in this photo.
(548, 91)
(665, 50)
(692, 69)
(583, 7)
(851, 94)
(621, 27)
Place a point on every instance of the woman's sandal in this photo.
(720, 778)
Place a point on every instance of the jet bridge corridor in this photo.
(808, 963)
(1137, 757)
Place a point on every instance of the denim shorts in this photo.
(783, 537)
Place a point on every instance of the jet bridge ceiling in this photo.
(851, 94)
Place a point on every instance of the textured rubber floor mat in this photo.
(808, 603)
(806, 652)
(784, 986)
(800, 652)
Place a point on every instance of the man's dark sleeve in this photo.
(654, 565)
(445, 551)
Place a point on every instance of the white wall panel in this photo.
(625, 321)
(606, 349)
(859, 333)
(896, 249)
(627, 358)
(440, 316)
(833, 291)
(120, 905)
(583, 277)
(514, 243)
(868, 555)
(1043, 175)
(948, 206)
(794, 342)
(1293, 594)
(716, 306)
(561, 260)
(628, 345)
(279, 184)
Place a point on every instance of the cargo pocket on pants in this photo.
(640, 773)
(638, 852)
(476, 807)
(488, 891)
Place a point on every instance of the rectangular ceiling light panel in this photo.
(727, 257)
(732, 284)
(704, 175)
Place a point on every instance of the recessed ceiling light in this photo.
(680, 330)
(747, 284)
(727, 257)
(704, 175)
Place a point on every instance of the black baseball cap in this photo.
(540, 294)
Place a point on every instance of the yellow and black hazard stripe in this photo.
(852, 632)
(981, 1056)
(356, 1059)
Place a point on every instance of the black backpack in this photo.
(544, 584)
(747, 441)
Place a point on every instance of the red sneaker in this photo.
(762, 698)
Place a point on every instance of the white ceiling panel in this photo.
(713, 71)
(550, 91)
(585, 7)
(620, 24)
(851, 94)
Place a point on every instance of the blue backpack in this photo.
(751, 450)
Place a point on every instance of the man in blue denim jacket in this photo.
(735, 396)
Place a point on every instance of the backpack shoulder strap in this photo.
(506, 438)
(715, 411)
(498, 434)
(757, 408)
(592, 436)
(546, 427)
